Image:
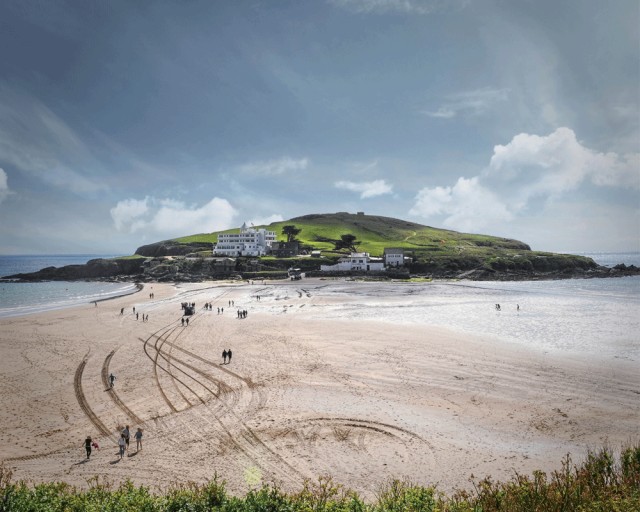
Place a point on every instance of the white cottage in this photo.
(356, 261)
(249, 242)
(394, 256)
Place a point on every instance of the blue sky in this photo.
(124, 123)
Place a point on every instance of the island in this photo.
(315, 245)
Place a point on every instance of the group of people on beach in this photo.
(123, 442)
(145, 318)
(498, 308)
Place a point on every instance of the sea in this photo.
(17, 299)
(597, 317)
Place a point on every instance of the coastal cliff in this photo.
(96, 269)
(181, 269)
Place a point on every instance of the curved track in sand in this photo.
(112, 392)
(222, 415)
(82, 401)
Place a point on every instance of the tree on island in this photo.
(290, 231)
(348, 242)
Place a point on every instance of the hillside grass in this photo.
(432, 250)
(131, 257)
(375, 234)
(602, 482)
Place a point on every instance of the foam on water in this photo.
(24, 298)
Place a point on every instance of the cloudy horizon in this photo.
(124, 124)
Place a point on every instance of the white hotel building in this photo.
(249, 242)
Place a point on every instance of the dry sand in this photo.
(302, 396)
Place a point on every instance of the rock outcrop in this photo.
(125, 268)
(195, 269)
(172, 248)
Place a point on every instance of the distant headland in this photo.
(334, 244)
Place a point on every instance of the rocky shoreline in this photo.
(181, 269)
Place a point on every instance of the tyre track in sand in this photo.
(84, 404)
(112, 392)
(258, 399)
(246, 441)
(157, 346)
(156, 365)
(162, 336)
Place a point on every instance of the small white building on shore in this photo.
(249, 242)
(394, 257)
(356, 261)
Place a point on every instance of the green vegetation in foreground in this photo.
(600, 483)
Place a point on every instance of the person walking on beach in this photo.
(121, 311)
(138, 438)
(121, 445)
(126, 435)
(112, 380)
(229, 355)
(87, 446)
(224, 356)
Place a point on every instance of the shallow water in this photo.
(594, 317)
(23, 298)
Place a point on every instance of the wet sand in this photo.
(303, 396)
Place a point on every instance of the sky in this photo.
(125, 123)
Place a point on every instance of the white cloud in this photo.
(468, 205)
(4, 185)
(125, 212)
(275, 167)
(399, 6)
(442, 113)
(473, 102)
(530, 167)
(557, 163)
(366, 189)
(171, 218)
(265, 221)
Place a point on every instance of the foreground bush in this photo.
(601, 483)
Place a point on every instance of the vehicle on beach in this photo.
(295, 274)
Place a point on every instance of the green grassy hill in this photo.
(432, 250)
(375, 233)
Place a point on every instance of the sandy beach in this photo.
(303, 397)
